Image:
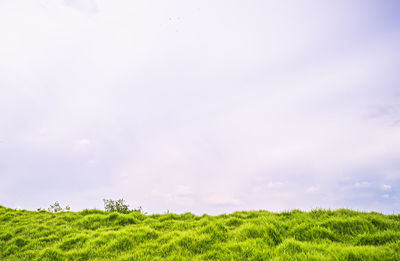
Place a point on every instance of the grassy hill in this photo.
(260, 235)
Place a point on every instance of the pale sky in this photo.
(200, 106)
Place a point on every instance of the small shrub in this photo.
(56, 207)
(116, 206)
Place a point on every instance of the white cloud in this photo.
(92, 162)
(183, 190)
(312, 189)
(224, 201)
(275, 185)
(82, 144)
(362, 184)
(386, 187)
(88, 7)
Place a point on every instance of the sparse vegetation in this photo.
(116, 206)
(119, 206)
(56, 207)
(256, 235)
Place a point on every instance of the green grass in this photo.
(256, 235)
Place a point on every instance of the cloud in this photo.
(222, 201)
(275, 185)
(312, 189)
(82, 144)
(244, 109)
(362, 184)
(87, 7)
(182, 190)
(92, 162)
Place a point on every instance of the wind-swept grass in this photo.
(255, 235)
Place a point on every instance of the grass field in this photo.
(257, 235)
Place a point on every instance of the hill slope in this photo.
(295, 235)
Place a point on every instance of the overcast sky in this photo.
(200, 106)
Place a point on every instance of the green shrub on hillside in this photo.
(116, 206)
(120, 206)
